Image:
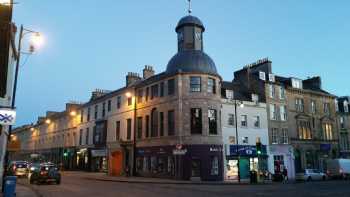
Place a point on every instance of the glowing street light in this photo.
(128, 94)
(48, 121)
(73, 113)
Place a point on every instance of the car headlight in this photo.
(32, 168)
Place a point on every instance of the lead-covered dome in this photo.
(191, 61)
(190, 20)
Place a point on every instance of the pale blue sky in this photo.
(93, 43)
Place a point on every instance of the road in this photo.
(74, 185)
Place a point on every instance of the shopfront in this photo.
(92, 159)
(243, 159)
(280, 157)
(199, 162)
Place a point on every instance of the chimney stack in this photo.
(148, 72)
(98, 93)
(132, 78)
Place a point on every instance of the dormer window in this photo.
(346, 107)
(262, 76)
(297, 83)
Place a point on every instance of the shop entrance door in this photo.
(232, 169)
(196, 168)
(244, 168)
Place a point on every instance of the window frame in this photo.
(195, 83)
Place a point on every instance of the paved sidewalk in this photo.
(23, 191)
(105, 177)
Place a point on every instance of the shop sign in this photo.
(215, 149)
(7, 116)
(245, 150)
(179, 152)
(98, 153)
(325, 147)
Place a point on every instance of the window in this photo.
(139, 127)
(299, 104)
(342, 122)
(245, 140)
(327, 131)
(81, 116)
(80, 137)
(313, 106)
(119, 102)
(274, 136)
(147, 126)
(214, 165)
(154, 123)
(117, 131)
(256, 121)
(161, 123)
(161, 89)
(273, 113)
(128, 129)
(284, 138)
(147, 93)
(304, 130)
(283, 112)
(109, 105)
(87, 136)
(336, 105)
(88, 114)
(171, 86)
(229, 94)
(129, 101)
(272, 91)
(271, 77)
(154, 91)
(196, 121)
(262, 75)
(195, 84)
(344, 141)
(171, 123)
(346, 107)
(211, 86)
(231, 120)
(282, 93)
(244, 122)
(326, 108)
(212, 120)
(297, 83)
(232, 139)
(103, 109)
(96, 111)
(139, 96)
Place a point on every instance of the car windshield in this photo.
(21, 165)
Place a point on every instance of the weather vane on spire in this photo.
(189, 7)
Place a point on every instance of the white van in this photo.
(338, 168)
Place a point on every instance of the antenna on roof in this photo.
(189, 7)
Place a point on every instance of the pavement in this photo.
(143, 180)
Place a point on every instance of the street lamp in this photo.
(241, 105)
(48, 121)
(73, 113)
(6, 2)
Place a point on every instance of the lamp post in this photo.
(240, 103)
(133, 99)
(36, 40)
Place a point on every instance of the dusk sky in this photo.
(92, 44)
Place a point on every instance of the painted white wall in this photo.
(251, 109)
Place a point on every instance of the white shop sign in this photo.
(7, 116)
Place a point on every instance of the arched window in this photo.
(154, 122)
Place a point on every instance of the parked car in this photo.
(32, 167)
(45, 173)
(311, 175)
(18, 168)
(338, 168)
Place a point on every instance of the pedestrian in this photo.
(127, 171)
(285, 175)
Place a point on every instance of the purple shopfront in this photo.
(196, 162)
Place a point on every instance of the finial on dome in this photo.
(189, 7)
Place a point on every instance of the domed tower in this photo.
(199, 107)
